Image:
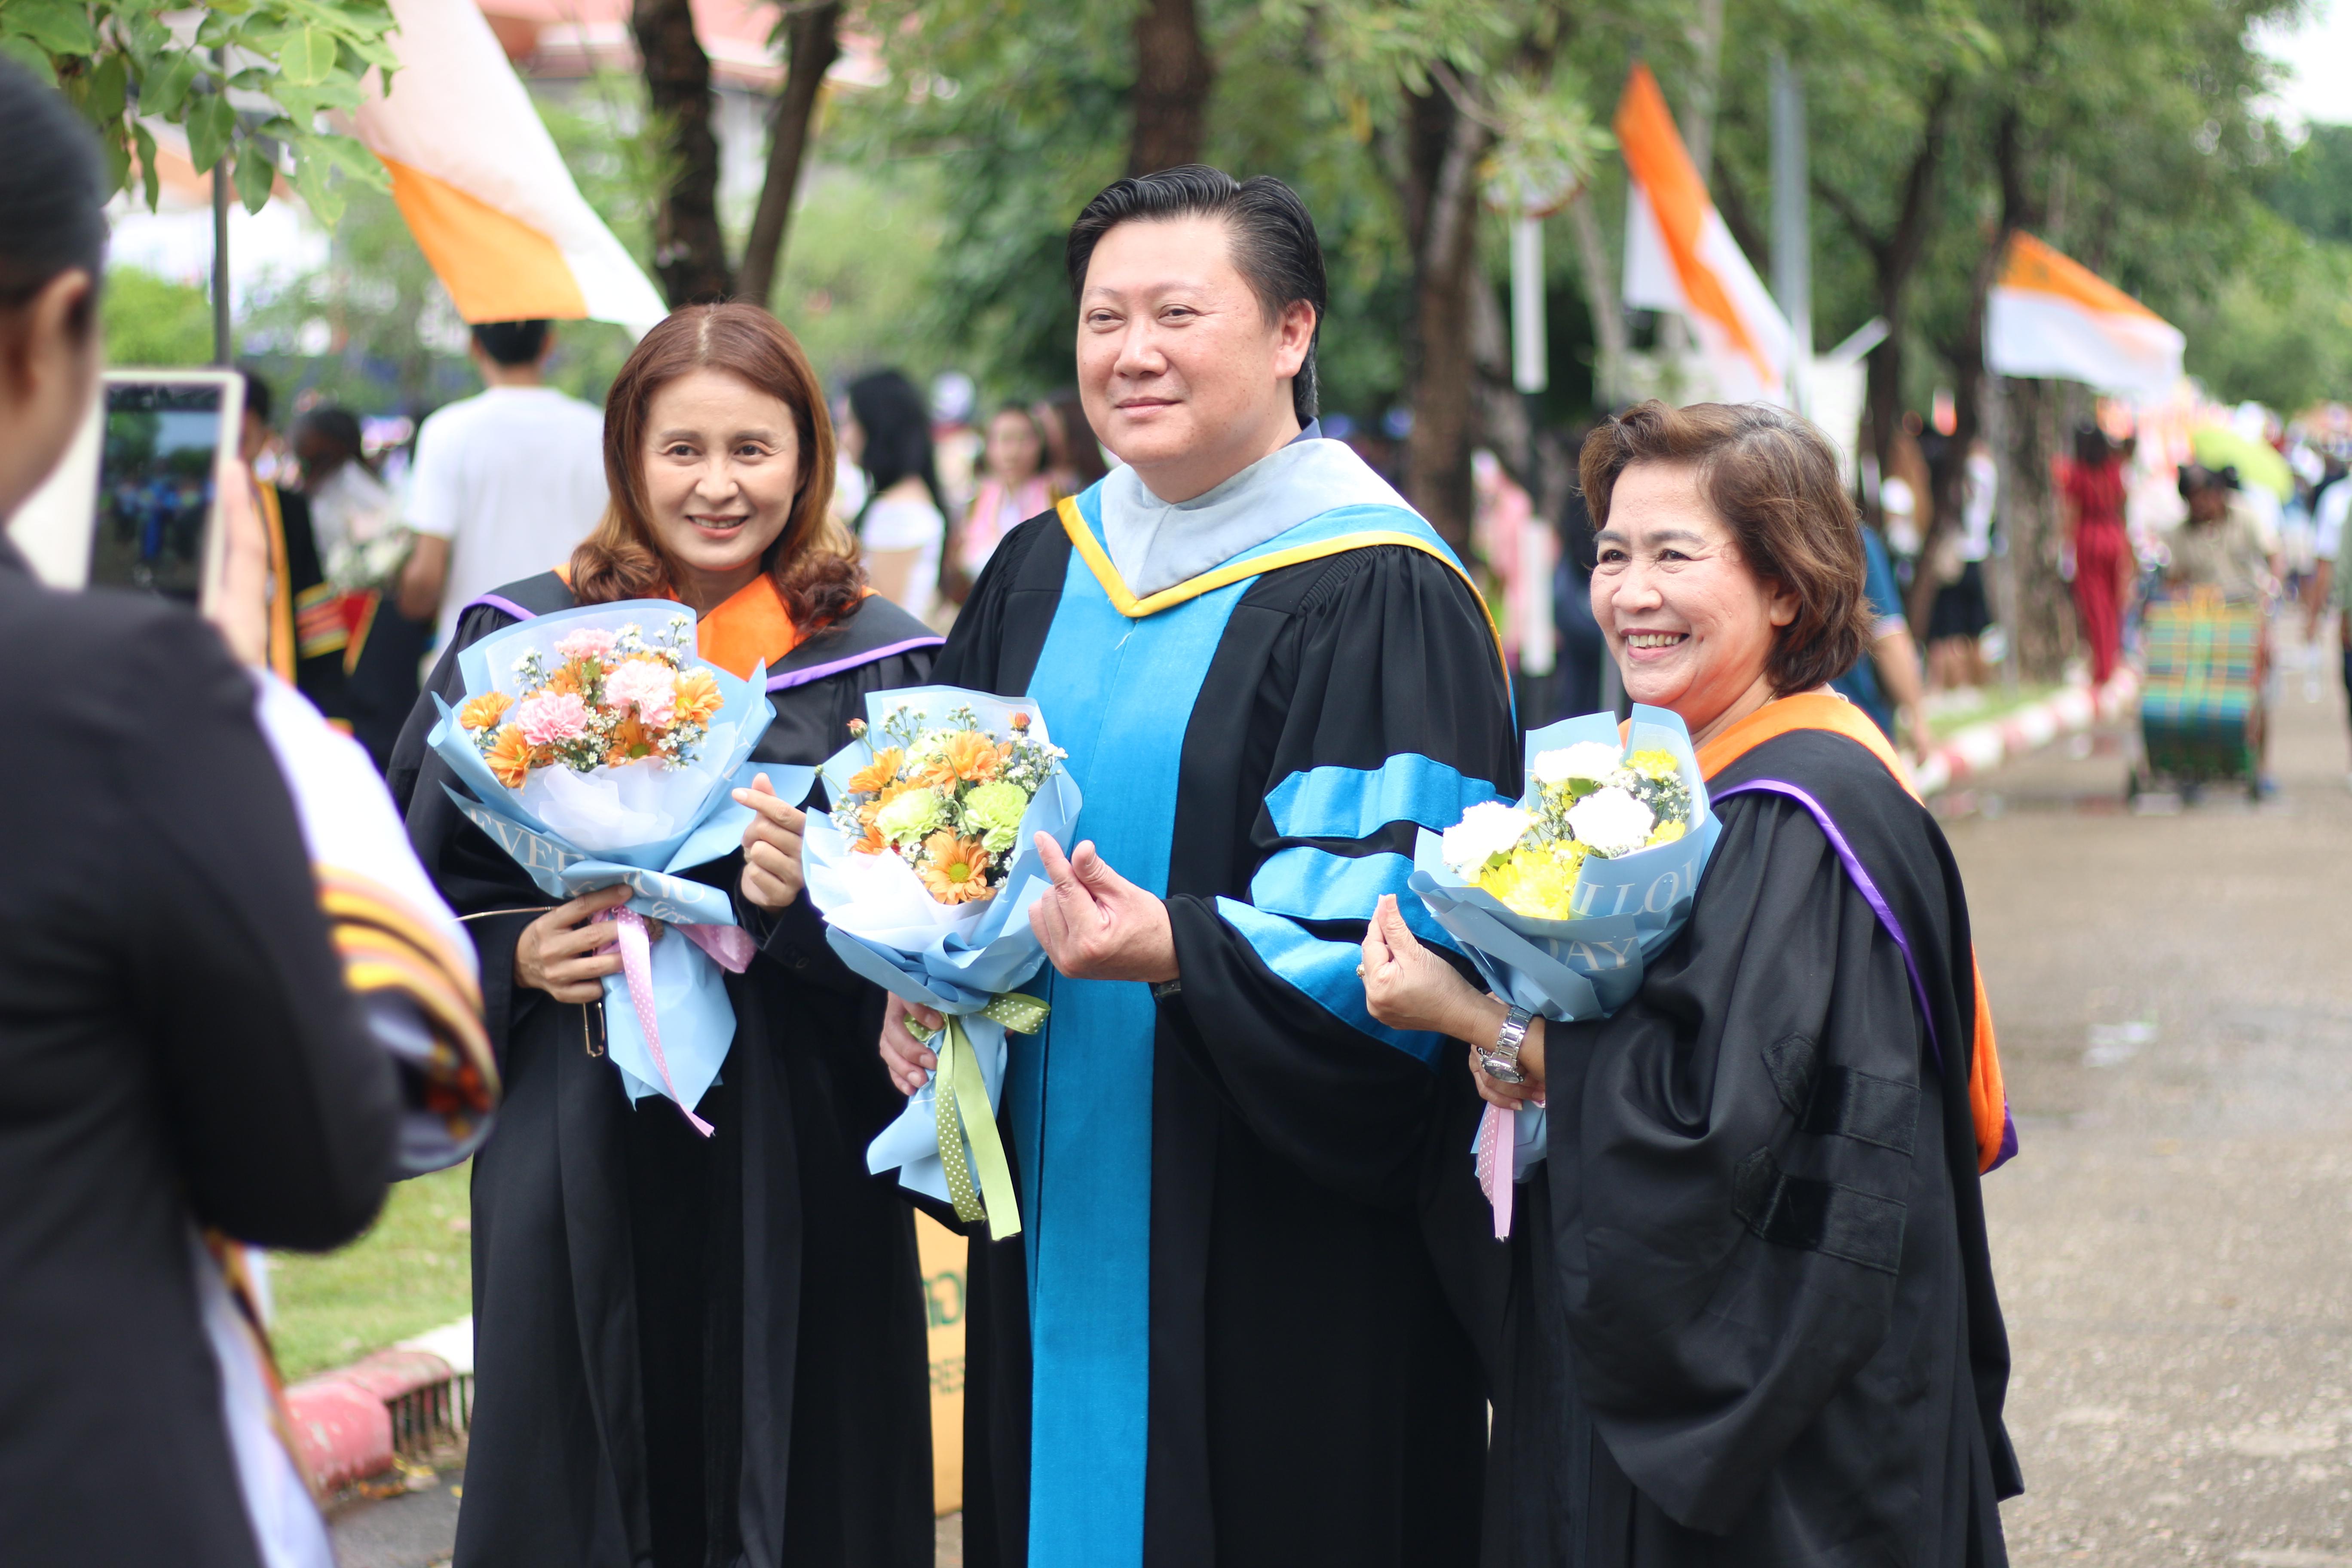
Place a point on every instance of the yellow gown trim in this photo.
(1124, 601)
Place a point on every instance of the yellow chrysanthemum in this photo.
(1536, 882)
(1665, 833)
(1654, 764)
(484, 712)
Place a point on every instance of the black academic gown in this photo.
(1313, 1397)
(690, 1351)
(1751, 1317)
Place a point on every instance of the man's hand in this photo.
(772, 847)
(1097, 925)
(908, 1060)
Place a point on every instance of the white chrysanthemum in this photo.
(1612, 821)
(1486, 830)
(1594, 760)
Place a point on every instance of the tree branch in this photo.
(813, 44)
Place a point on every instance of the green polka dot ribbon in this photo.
(958, 1084)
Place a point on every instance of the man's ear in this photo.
(47, 331)
(1294, 335)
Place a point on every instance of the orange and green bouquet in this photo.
(946, 798)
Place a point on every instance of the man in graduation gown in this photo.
(1218, 1337)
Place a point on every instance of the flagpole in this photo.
(1792, 253)
(220, 228)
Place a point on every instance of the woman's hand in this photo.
(909, 1063)
(1514, 1096)
(772, 847)
(564, 953)
(239, 605)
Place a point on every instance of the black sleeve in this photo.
(283, 1106)
(1733, 1158)
(974, 654)
(793, 937)
(1383, 708)
(493, 896)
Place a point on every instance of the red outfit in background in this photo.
(2101, 551)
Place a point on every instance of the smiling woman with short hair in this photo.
(1752, 1317)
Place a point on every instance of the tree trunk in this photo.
(689, 252)
(812, 42)
(1173, 75)
(1601, 298)
(1443, 148)
(2045, 609)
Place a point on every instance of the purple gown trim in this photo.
(1869, 890)
(497, 602)
(776, 683)
(819, 671)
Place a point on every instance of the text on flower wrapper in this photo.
(1605, 954)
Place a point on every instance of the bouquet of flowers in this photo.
(1559, 900)
(594, 752)
(924, 869)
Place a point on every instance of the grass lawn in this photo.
(1952, 712)
(412, 1271)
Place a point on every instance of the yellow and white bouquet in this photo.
(1586, 799)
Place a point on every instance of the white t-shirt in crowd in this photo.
(513, 479)
(2334, 502)
(908, 524)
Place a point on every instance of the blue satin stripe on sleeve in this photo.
(1325, 972)
(1355, 803)
(1310, 884)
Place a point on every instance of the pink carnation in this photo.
(552, 716)
(590, 642)
(650, 686)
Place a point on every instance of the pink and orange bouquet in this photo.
(607, 698)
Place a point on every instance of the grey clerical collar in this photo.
(1157, 545)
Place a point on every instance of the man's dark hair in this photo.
(512, 342)
(1275, 245)
(52, 192)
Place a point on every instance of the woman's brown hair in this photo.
(1773, 479)
(812, 562)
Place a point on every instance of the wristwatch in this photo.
(1501, 1059)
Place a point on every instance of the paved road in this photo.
(2174, 1246)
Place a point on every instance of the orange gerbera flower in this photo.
(958, 871)
(973, 756)
(484, 712)
(629, 742)
(878, 774)
(565, 678)
(872, 843)
(698, 698)
(510, 757)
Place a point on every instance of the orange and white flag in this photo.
(482, 186)
(1679, 256)
(2049, 315)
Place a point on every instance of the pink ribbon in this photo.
(1499, 1138)
(730, 947)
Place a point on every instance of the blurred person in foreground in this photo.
(181, 1062)
(506, 480)
(694, 1350)
(1220, 1336)
(1752, 1311)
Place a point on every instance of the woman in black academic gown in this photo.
(695, 1351)
(1748, 1314)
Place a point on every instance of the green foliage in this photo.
(410, 1273)
(151, 321)
(2311, 187)
(860, 269)
(251, 84)
(2277, 328)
